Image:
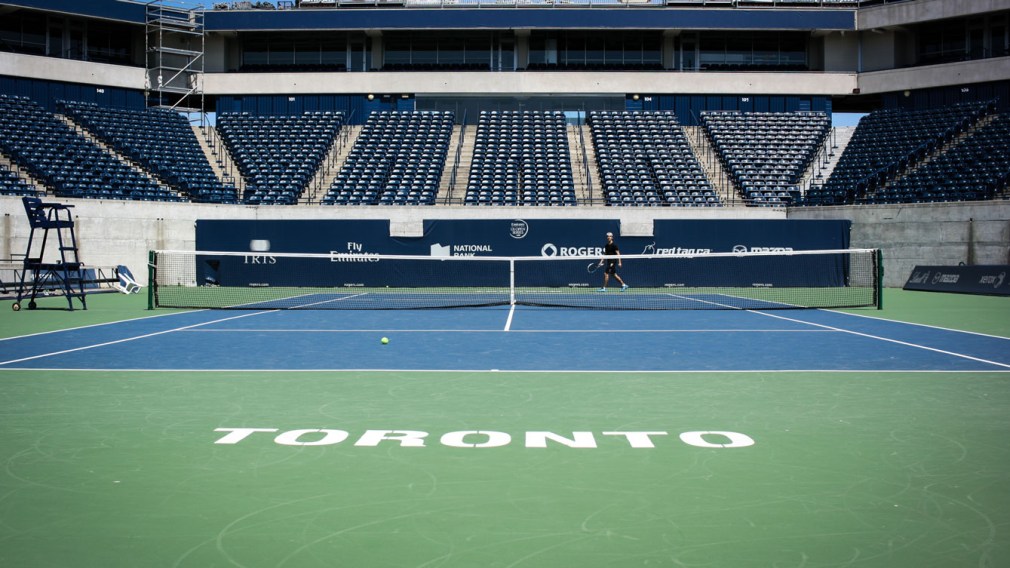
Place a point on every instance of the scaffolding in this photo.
(174, 46)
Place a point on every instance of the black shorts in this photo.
(611, 267)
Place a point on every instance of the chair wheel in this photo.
(31, 305)
(16, 306)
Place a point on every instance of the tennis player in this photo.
(612, 260)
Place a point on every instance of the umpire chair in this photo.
(65, 275)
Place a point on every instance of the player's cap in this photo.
(610, 234)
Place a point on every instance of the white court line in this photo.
(926, 325)
(101, 324)
(508, 322)
(146, 335)
(428, 330)
(897, 341)
(544, 371)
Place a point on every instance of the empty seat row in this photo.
(398, 159)
(645, 159)
(65, 161)
(160, 141)
(766, 153)
(278, 156)
(521, 158)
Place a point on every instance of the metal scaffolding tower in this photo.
(175, 45)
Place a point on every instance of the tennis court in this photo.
(508, 437)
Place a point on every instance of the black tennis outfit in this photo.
(610, 249)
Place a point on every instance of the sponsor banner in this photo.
(351, 246)
(690, 236)
(988, 279)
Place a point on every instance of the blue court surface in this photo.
(503, 339)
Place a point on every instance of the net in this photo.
(759, 281)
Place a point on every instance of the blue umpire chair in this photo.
(39, 275)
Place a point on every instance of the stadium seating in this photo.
(976, 168)
(521, 158)
(886, 143)
(161, 141)
(278, 155)
(766, 153)
(12, 184)
(397, 160)
(645, 159)
(62, 159)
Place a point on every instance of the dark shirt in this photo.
(611, 249)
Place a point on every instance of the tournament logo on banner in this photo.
(519, 229)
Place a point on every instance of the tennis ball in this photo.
(385, 340)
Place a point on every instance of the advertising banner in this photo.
(989, 279)
(350, 246)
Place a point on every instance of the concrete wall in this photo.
(114, 233)
(71, 71)
(904, 13)
(947, 74)
(911, 234)
(493, 83)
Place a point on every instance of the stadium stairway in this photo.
(335, 159)
(582, 147)
(218, 157)
(821, 170)
(7, 165)
(449, 186)
(711, 165)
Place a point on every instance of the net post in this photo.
(151, 282)
(512, 281)
(880, 279)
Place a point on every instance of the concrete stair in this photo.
(330, 168)
(25, 176)
(217, 155)
(452, 191)
(821, 169)
(582, 170)
(712, 165)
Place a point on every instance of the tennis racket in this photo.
(593, 267)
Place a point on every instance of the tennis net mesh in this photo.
(779, 280)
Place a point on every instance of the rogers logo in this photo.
(549, 250)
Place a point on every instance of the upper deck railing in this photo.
(745, 4)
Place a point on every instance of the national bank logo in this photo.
(440, 250)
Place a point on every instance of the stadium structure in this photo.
(147, 116)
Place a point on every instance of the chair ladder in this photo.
(66, 275)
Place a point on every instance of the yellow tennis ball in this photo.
(385, 340)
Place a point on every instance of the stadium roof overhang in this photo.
(517, 18)
(632, 18)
